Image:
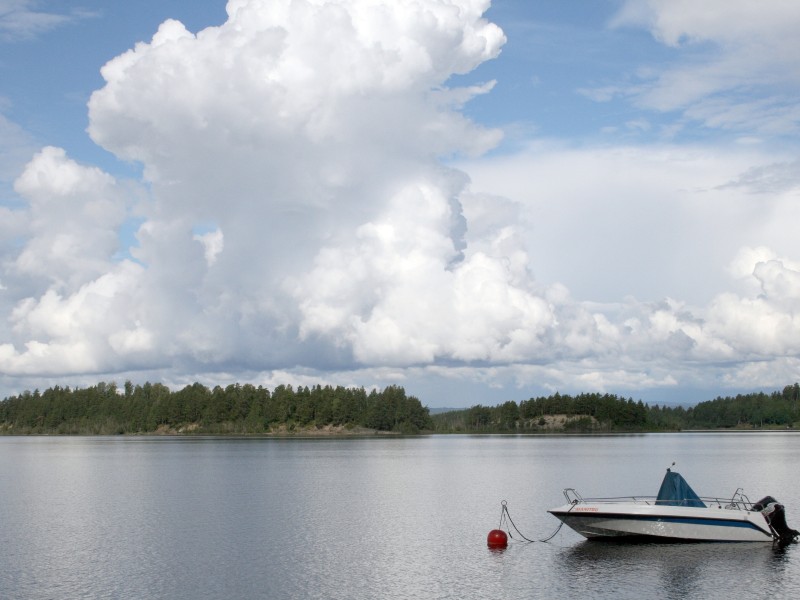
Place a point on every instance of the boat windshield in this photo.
(675, 491)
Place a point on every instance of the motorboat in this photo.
(677, 513)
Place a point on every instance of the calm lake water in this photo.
(139, 518)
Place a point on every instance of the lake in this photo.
(190, 518)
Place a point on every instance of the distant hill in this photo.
(442, 409)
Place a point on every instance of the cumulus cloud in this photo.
(88, 331)
(268, 144)
(641, 223)
(74, 211)
(65, 294)
(404, 294)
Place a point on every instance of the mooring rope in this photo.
(506, 516)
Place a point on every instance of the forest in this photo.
(245, 409)
(592, 412)
(236, 409)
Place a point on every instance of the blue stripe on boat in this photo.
(690, 521)
(666, 519)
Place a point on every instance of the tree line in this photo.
(779, 408)
(243, 409)
(593, 412)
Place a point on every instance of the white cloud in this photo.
(20, 19)
(213, 243)
(737, 66)
(74, 213)
(765, 324)
(16, 147)
(404, 294)
(85, 331)
(614, 221)
(677, 22)
(640, 223)
(294, 128)
(775, 178)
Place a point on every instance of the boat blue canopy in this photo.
(675, 491)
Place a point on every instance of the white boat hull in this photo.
(664, 523)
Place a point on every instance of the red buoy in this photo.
(497, 539)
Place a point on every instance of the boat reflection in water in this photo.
(707, 570)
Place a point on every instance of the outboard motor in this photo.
(776, 518)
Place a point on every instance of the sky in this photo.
(478, 201)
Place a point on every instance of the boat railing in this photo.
(739, 501)
(573, 497)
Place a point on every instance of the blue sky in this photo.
(477, 201)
